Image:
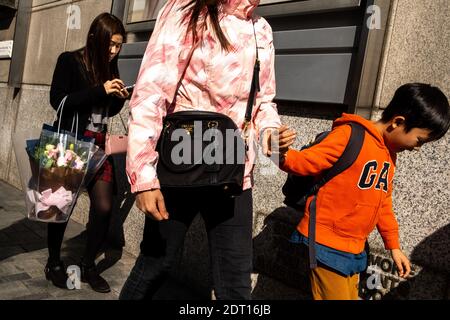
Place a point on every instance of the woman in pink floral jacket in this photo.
(216, 77)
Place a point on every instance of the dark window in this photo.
(143, 10)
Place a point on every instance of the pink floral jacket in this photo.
(215, 80)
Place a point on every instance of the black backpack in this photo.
(297, 189)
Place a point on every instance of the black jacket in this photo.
(70, 78)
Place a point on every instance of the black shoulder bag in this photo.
(205, 149)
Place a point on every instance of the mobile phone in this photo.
(129, 88)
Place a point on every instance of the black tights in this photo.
(100, 195)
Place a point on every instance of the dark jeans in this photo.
(228, 224)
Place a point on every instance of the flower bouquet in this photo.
(58, 163)
(62, 165)
(53, 169)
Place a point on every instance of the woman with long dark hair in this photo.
(202, 56)
(89, 77)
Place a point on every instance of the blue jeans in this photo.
(228, 224)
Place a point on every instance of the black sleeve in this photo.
(67, 71)
(116, 106)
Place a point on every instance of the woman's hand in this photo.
(123, 93)
(402, 263)
(116, 87)
(152, 203)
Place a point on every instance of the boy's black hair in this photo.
(423, 106)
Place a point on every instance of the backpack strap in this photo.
(347, 158)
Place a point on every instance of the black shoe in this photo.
(56, 273)
(89, 274)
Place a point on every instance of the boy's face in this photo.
(398, 140)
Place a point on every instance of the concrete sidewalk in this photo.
(23, 255)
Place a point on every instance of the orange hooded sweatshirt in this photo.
(351, 204)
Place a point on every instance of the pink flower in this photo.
(69, 156)
(53, 153)
(79, 164)
(61, 162)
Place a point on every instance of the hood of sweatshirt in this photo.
(367, 124)
(242, 9)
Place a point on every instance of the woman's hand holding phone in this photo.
(128, 90)
(116, 87)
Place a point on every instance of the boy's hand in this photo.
(402, 263)
(286, 138)
(277, 142)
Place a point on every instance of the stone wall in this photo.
(417, 50)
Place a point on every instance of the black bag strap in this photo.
(348, 157)
(255, 85)
(254, 88)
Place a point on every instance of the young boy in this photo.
(350, 205)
